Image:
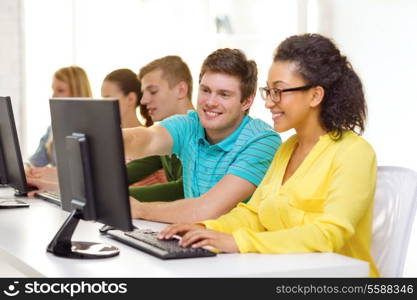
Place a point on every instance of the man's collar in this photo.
(227, 144)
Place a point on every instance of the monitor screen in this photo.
(97, 122)
(11, 166)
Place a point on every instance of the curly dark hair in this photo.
(128, 82)
(320, 63)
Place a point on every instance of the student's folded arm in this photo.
(350, 195)
(141, 168)
(220, 199)
(165, 192)
(141, 142)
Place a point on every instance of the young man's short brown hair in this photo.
(233, 62)
(174, 70)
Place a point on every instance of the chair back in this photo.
(394, 210)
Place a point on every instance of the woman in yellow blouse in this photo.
(317, 195)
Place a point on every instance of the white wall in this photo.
(12, 59)
(48, 34)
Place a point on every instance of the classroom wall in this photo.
(11, 60)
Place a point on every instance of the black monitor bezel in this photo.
(9, 141)
(99, 121)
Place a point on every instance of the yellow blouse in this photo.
(325, 206)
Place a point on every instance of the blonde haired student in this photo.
(67, 82)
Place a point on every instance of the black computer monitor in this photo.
(12, 173)
(91, 171)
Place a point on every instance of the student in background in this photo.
(167, 90)
(121, 84)
(66, 82)
(224, 152)
(318, 193)
(124, 85)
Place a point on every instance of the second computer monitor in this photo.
(11, 166)
(90, 159)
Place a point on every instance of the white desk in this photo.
(25, 233)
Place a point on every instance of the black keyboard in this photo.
(147, 241)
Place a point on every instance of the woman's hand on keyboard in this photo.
(209, 238)
(178, 229)
(196, 236)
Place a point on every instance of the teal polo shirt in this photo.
(246, 153)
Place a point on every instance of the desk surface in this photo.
(25, 233)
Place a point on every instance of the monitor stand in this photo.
(12, 203)
(61, 245)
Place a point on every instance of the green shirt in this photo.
(141, 168)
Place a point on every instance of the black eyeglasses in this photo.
(276, 93)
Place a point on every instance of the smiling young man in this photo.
(224, 152)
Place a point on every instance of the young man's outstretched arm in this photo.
(141, 142)
(220, 199)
